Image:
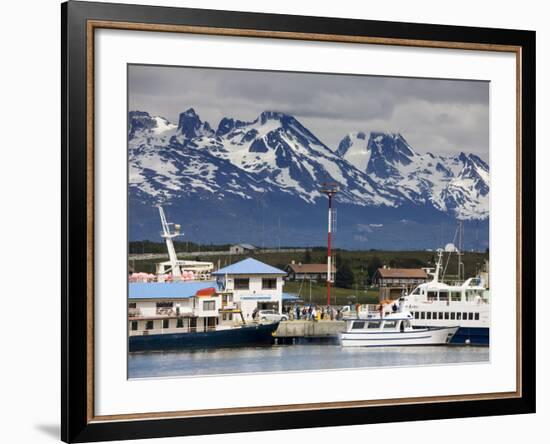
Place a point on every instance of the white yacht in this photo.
(438, 304)
(391, 330)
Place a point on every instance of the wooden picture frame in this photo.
(79, 22)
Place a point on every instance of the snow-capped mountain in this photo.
(272, 153)
(275, 157)
(455, 184)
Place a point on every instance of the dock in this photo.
(309, 329)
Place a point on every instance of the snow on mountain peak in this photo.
(354, 148)
(276, 153)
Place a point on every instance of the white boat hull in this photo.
(424, 336)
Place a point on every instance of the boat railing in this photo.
(165, 311)
(134, 312)
(166, 331)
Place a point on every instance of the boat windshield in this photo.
(373, 324)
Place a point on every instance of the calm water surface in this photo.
(286, 358)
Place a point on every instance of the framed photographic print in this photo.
(275, 221)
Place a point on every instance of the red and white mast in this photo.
(330, 189)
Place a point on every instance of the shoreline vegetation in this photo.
(355, 268)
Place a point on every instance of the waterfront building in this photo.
(253, 285)
(204, 305)
(313, 272)
(392, 282)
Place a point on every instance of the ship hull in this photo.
(254, 335)
(428, 336)
(471, 336)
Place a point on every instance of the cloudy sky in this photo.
(439, 116)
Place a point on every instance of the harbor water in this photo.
(299, 357)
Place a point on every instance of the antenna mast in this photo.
(168, 236)
(459, 251)
(330, 189)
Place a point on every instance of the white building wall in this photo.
(199, 307)
(245, 297)
(149, 308)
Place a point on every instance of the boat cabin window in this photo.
(416, 315)
(440, 316)
(179, 323)
(165, 304)
(209, 305)
(432, 295)
(446, 315)
(422, 315)
(470, 316)
(134, 325)
(132, 305)
(459, 316)
(373, 324)
(358, 325)
(464, 316)
(455, 296)
(443, 296)
(416, 290)
(149, 325)
(429, 315)
(476, 316)
(390, 324)
(166, 323)
(452, 316)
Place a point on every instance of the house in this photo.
(314, 272)
(200, 305)
(253, 285)
(241, 249)
(393, 281)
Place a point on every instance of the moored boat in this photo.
(394, 329)
(245, 335)
(439, 304)
(188, 305)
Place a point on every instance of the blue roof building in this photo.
(165, 290)
(249, 267)
(253, 284)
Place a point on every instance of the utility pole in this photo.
(330, 189)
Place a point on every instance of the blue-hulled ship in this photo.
(466, 304)
(189, 314)
(244, 335)
(187, 305)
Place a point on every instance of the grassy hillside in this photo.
(362, 263)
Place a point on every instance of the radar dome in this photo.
(450, 248)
